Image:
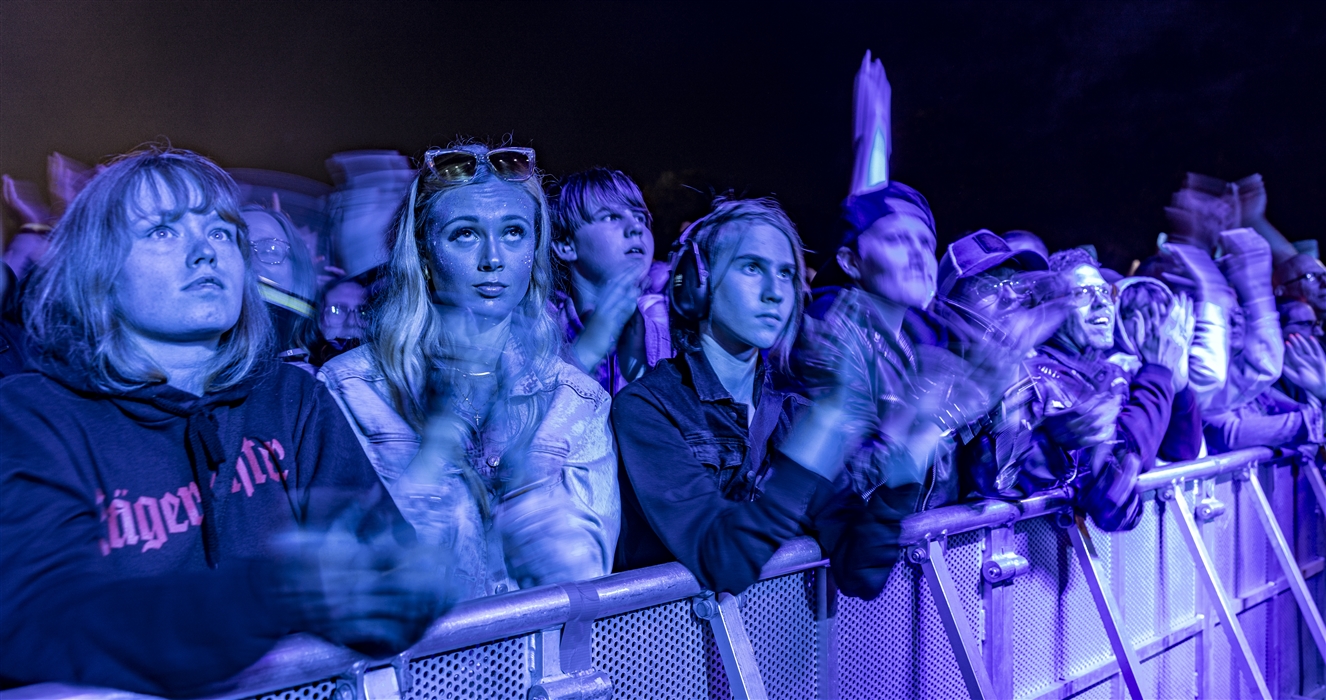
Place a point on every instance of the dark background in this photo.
(1073, 120)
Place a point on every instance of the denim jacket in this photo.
(560, 525)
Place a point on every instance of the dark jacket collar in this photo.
(709, 388)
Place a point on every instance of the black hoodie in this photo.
(135, 528)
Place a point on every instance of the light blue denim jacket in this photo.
(559, 526)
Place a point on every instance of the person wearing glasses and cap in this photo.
(1094, 428)
(493, 446)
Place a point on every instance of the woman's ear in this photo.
(565, 250)
(850, 263)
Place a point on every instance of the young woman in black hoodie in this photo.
(157, 452)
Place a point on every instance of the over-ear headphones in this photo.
(688, 292)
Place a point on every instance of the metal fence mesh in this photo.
(659, 652)
(496, 671)
(779, 615)
(322, 690)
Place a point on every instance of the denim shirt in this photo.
(561, 526)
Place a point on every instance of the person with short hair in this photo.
(158, 457)
(613, 311)
(1095, 428)
(495, 448)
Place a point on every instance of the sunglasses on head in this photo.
(456, 165)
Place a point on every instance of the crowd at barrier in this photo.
(233, 411)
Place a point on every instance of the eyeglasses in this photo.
(1307, 277)
(1090, 293)
(347, 311)
(1012, 289)
(272, 251)
(455, 166)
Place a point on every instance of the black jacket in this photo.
(696, 488)
(135, 528)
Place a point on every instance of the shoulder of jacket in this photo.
(567, 375)
(356, 364)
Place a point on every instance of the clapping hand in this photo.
(617, 302)
(1166, 343)
(1305, 364)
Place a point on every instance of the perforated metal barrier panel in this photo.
(1036, 634)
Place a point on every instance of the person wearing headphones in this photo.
(718, 466)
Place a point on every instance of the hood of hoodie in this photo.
(151, 404)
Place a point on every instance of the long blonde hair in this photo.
(405, 332)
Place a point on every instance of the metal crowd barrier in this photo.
(1215, 594)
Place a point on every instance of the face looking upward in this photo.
(755, 295)
(183, 280)
(1091, 324)
(481, 245)
(895, 260)
(616, 238)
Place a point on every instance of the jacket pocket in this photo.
(722, 456)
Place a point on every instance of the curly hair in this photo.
(1071, 259)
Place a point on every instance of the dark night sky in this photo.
(1075, 120)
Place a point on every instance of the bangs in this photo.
(175, 186)
(584, 193)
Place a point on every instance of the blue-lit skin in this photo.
(754, 297)
(1090, 325)
(481, 252)
(895, 260)
(181, 286)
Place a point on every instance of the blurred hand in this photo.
(1305, 364)
(1089, 423)
(1198, 276)
(1166, 342)
(617, 302)
(871, 126)
(377, 597)
(1246, 263)
(1252, 197)
(545, 538)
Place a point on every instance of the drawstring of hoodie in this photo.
(206, 455)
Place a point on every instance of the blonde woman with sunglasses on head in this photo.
(492, 446)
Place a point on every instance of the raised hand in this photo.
(1305, 364)
(871, 127)
(1247, 264)
(1166, 343)
(1197, 275)
(616, 304)
(1252, 197)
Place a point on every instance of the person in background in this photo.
(995, 304)
(342, 318)
(615, 318)
(494, 447)
(718, 466)
(285, 274)
(1289, 412)
(1095, 429)
(172, 500)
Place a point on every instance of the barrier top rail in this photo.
(301, 658)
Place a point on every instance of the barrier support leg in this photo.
(1106, 606)
(1238, 643)
(743, 674)
(1288, 562)
(1318, 484)
(960, 638)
